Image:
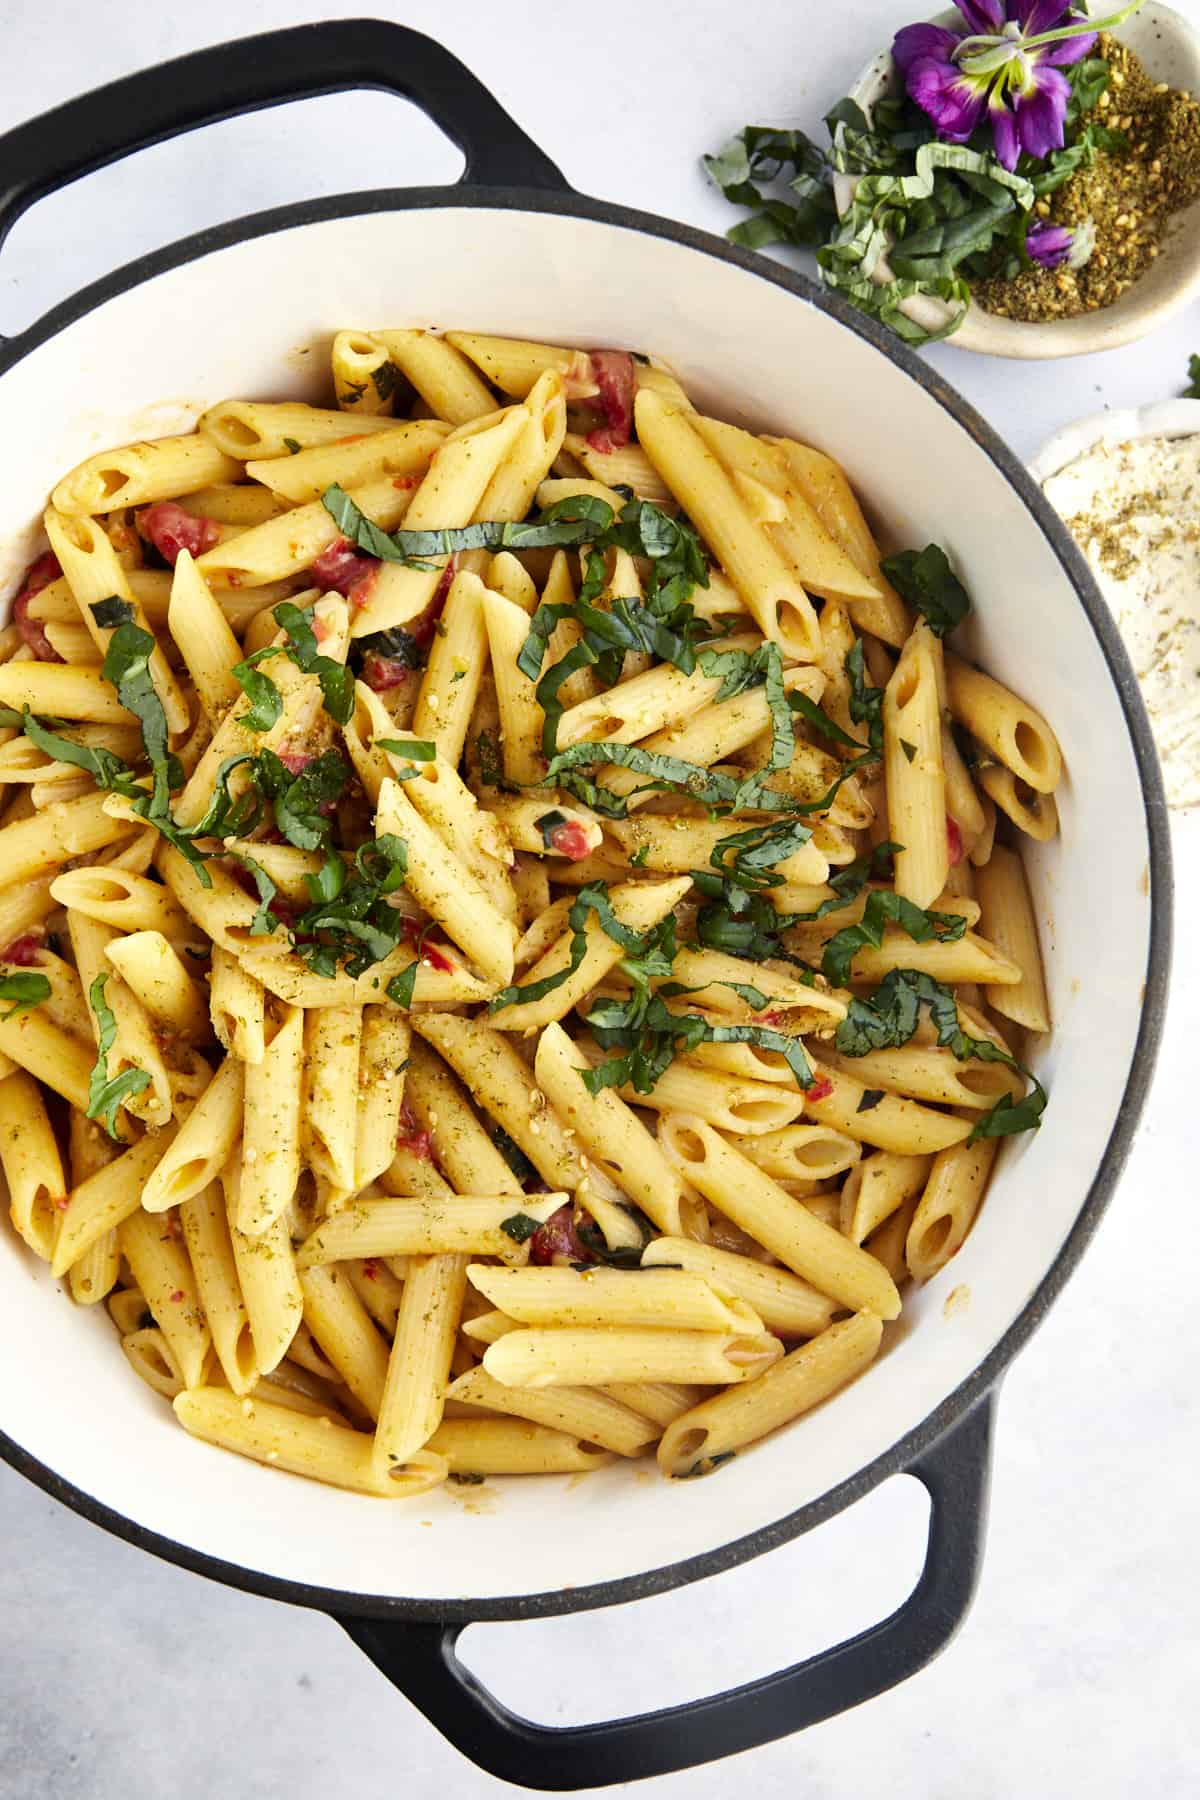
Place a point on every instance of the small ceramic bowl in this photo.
(1170, 49)
(1163, 418)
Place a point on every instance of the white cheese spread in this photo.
(1134, 510)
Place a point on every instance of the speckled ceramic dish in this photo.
(1170, 49)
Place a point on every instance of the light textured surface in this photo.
(1077, 1668)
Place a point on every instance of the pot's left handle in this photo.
(47, 152)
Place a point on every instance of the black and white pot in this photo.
(512, 249)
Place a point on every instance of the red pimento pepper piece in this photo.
(410, 1136)
(384, 672)
(820, 1090)
(38, 575)
(616, 380)
(294, 761)
(954, 841)
(177, 1296)
(436, 958)
(341, 569)
(170, 529)
(23, 951)
(557, 1241)
(570, 839)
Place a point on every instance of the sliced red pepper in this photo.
(23, 951)
(410, 1137)
(557, 1241)
(820, 1090)
(170, 529)
(38, 575)
(616, 380)
(570, 839)
(382, 673)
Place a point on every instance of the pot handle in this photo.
(100, 127)
(420, 1660)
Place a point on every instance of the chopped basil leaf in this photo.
(113, 612)
(1009, 1116)
(266, 702)
(412, 749)
(662, 623)
(336, 680)
(292, 446)
(400, 987)
(821, 722)
(865, 702)
(849, 881)
(870, 1099)
(886, 908)
(706, 1465)
(264, 922)
(127, 665)
(513, 1155)
(519, 1227)
(638, 859)
(910, 750)
(25, 992)
(925, 579)
(106, 1096)
(548, 824)
(383, 380)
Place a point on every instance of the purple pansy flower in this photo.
(1007, 64)
(1054, 245)
(1048, 244)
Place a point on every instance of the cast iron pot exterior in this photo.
(512, 194)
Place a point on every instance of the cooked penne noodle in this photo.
(511, 1447)
(441, 374)
(890, 1123)
(206, 1233)
(1034, 813)
(667, 1298)
(159, 1261)
(271, 1130)
(160, 469)
(1012, 731)
(364, 379)
(469, 1224)
(727, 1422)
(947, 1207)
(155, 975)
(353, 461)
(251, 428)
(204, 1144)
(33, 1171)
(771, 591)
(237, 1007)
(566, 1357)
(345, 1332)
(786, 1305)
(418, 1371)
(775, 1220)
(1007, 917)
(584, 1413)
(876, 1187)
(315, 1447)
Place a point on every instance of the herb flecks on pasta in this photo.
(496, 892)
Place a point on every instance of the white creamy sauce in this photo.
(1134, 510)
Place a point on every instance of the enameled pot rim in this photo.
(987, 1373)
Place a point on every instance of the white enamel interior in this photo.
(256, 320)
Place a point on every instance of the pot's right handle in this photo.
(421, 1660)
(84, 134)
